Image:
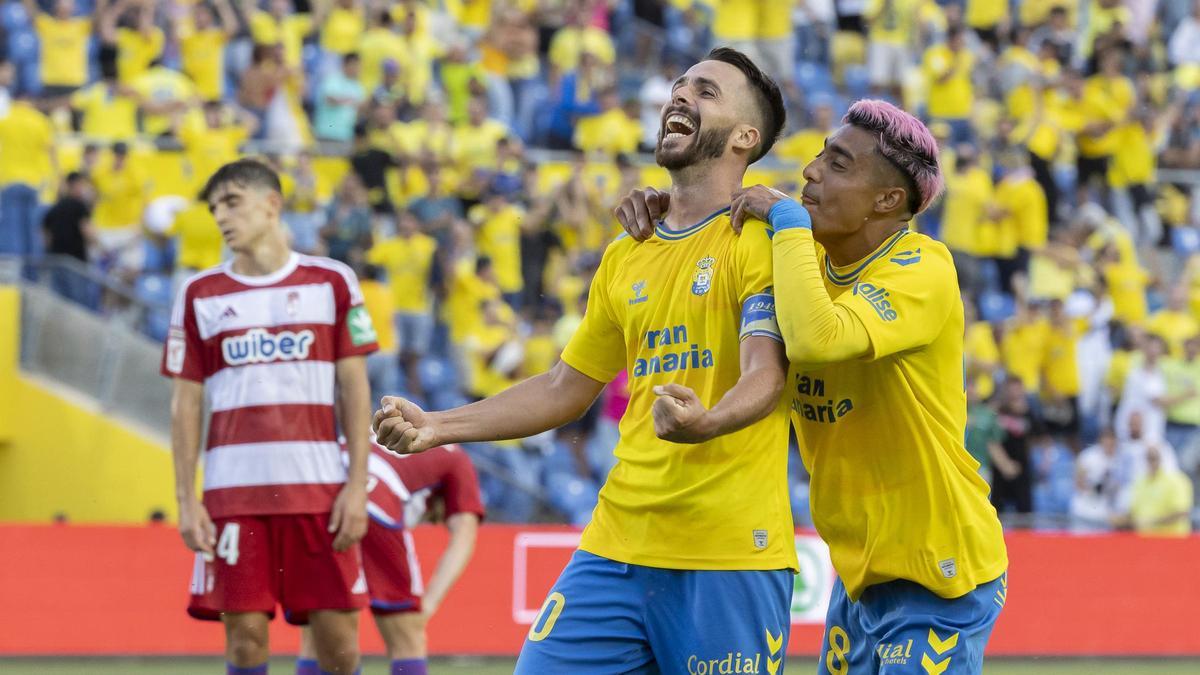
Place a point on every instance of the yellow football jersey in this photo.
(894, 492)
(673, 309)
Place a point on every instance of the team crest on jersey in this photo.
(702, 279)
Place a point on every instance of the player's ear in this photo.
(275, 199)
(746, 137)
(889, 199)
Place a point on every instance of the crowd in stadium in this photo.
(407, 134)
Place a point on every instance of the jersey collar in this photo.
(845, 276)
(266, 280)
(673, 235)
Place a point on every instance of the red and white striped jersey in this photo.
(265, 349)
(399, 487)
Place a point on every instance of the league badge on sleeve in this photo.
(702, 279)
(361, 330)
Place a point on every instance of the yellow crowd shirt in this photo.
(290, 32)
(208, 149)
(1023, 347)
(985, 13)
(1135, 158)
(499, 238)
(568, 43)
(1155, 497)
(135, 51)
(408, 262)
(120, 195)
(887, 427)
(107, 115)
(200, 241)
(377, 298)
(611, 133)
(775, 19)
(802, 147)
(979, 346)
(378, 45)
(474, 147)
(1105, 100)
(1060, 371)
(1127, 287)
(953, 97)
(1025, 201)
(202, 58)
(891, 21)
(161, 84)
(967, 195)
(342, 30)
(735, 20)
(1174, 328)
(673, 309)
(64, 55)
(26, 141)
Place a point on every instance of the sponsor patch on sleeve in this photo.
(362, 331)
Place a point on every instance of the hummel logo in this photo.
(906, 258)
(638, 288)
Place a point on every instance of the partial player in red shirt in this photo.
(267, 342)
(403, 490)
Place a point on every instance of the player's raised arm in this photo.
(528, 408)
(195, 526)
(815, 329)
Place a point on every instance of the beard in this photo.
(707, 144)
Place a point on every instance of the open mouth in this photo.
(678, 125)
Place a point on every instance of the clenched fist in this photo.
(402, 427)
(679, 416)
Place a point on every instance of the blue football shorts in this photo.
(607, 617)
(901, 627)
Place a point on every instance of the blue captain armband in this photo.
(758, 317)
(788, 214)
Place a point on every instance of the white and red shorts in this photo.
(286, 560)
(393, 573)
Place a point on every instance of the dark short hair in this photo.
(766, 96)
(352, 57)
(243, 173)
(75, 177)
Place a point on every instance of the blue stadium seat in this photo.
(814, 79)
(995, 307)
(22, 48)
(437, 374)
(572, 495)
(858, 82)
(14, 18)
(1185, 240)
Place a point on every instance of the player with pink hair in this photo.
(873, 323)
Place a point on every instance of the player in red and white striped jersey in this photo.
(268, 341)
(401, 491)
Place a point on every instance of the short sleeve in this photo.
(597, 349)
(904, 305)
(460, 486)
(754, 258)
(355, 331)
(183, 352)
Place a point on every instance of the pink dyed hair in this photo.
(906, 142)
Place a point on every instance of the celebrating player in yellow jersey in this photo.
(687, 563)
(873, 323)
